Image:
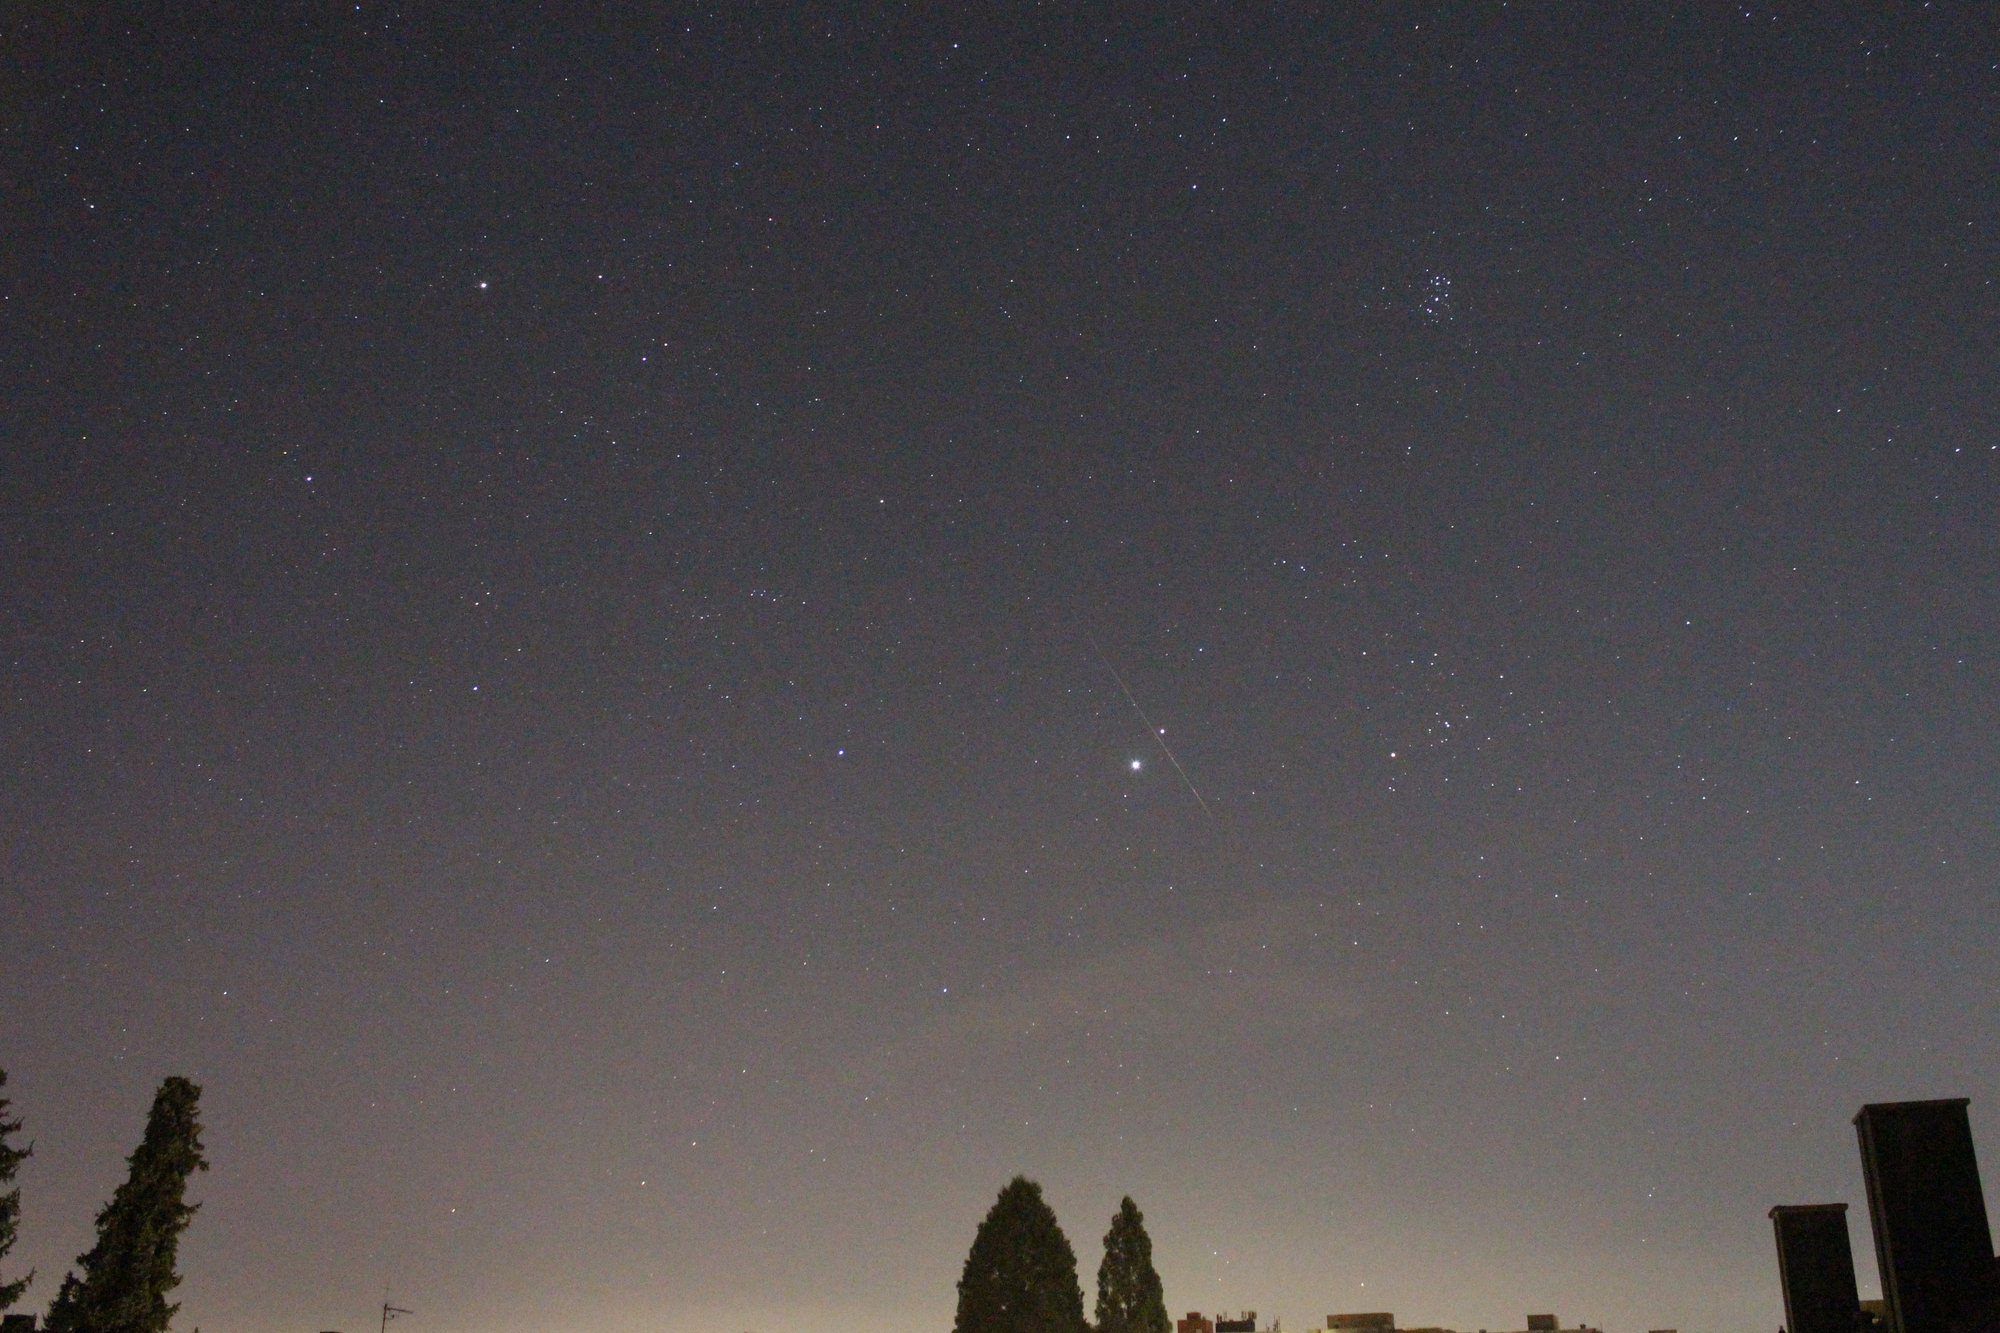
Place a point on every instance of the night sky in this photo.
(565, 573)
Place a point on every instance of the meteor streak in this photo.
(1159, 736)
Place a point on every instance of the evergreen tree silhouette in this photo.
(128, 1273)
(1129, 1297)
(10, 1202)
(1020, 1276)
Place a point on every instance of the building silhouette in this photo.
(1816, 1268)
(1933, 1248)
(1928, 1213)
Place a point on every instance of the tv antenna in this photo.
(390, 1312)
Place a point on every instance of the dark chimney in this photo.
(1927, 1211)
(1816, 1268)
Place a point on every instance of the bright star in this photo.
(1135, 765)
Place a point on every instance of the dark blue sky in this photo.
(552, 562)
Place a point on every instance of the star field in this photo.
(596, 601)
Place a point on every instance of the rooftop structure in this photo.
(1927, 1211)
(1816, 1268)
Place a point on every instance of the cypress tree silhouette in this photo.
(1129, 1297)
(128, 1273)
(10, 1202)
(1020, 1276)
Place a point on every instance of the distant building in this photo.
(1381, 1321)
(1548, 1323)
(1244, 1322)
(1194, 1323)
